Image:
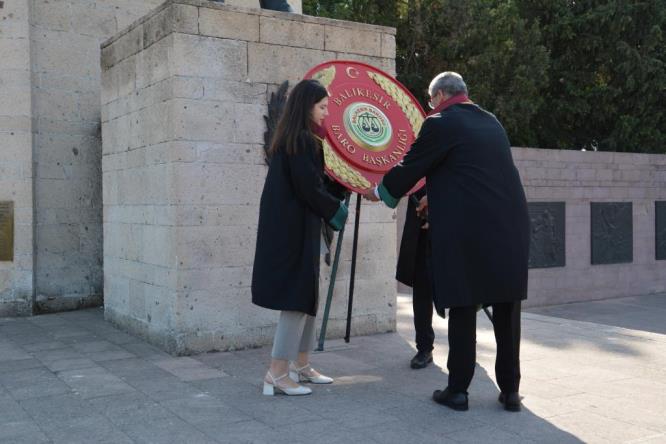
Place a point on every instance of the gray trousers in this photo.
(295, 333)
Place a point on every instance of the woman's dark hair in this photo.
(297, 115)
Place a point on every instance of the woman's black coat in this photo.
(479, 225)
(293, 203)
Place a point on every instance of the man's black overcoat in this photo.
(293, 203)
(479, 225)
(405, 269)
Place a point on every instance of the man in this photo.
(479, 231)
(413, 270)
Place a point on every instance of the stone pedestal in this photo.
(184, 92)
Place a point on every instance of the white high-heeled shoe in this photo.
(297, 375)
(271, 387)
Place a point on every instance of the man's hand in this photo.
(422, 209)
(370, 195)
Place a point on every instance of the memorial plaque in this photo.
(660, 230)
(6, 231)
(547, 247)
(612, 232)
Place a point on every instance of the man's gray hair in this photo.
(449, 82)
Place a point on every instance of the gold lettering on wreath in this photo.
(396, 154)
(366, 93)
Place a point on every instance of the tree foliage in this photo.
(566, 74)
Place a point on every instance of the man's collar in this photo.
(458, 98)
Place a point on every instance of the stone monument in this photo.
(184, 92)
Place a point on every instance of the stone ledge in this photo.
(257, 12)
(15, 308)
(193, 342)
(589, 157)
(68, 303)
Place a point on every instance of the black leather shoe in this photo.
(510, 401)
(421, 360)
(455, 401)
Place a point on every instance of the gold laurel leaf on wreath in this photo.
(342, 170)
(325, 76)
(402, 99)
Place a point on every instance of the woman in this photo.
(286, 264)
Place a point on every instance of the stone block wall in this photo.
(65, 52)
(16, 277)
(184, 92)
(579, 178)
(50, 149)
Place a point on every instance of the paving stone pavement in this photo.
(72, 377)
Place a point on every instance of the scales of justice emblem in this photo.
(372, 122)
